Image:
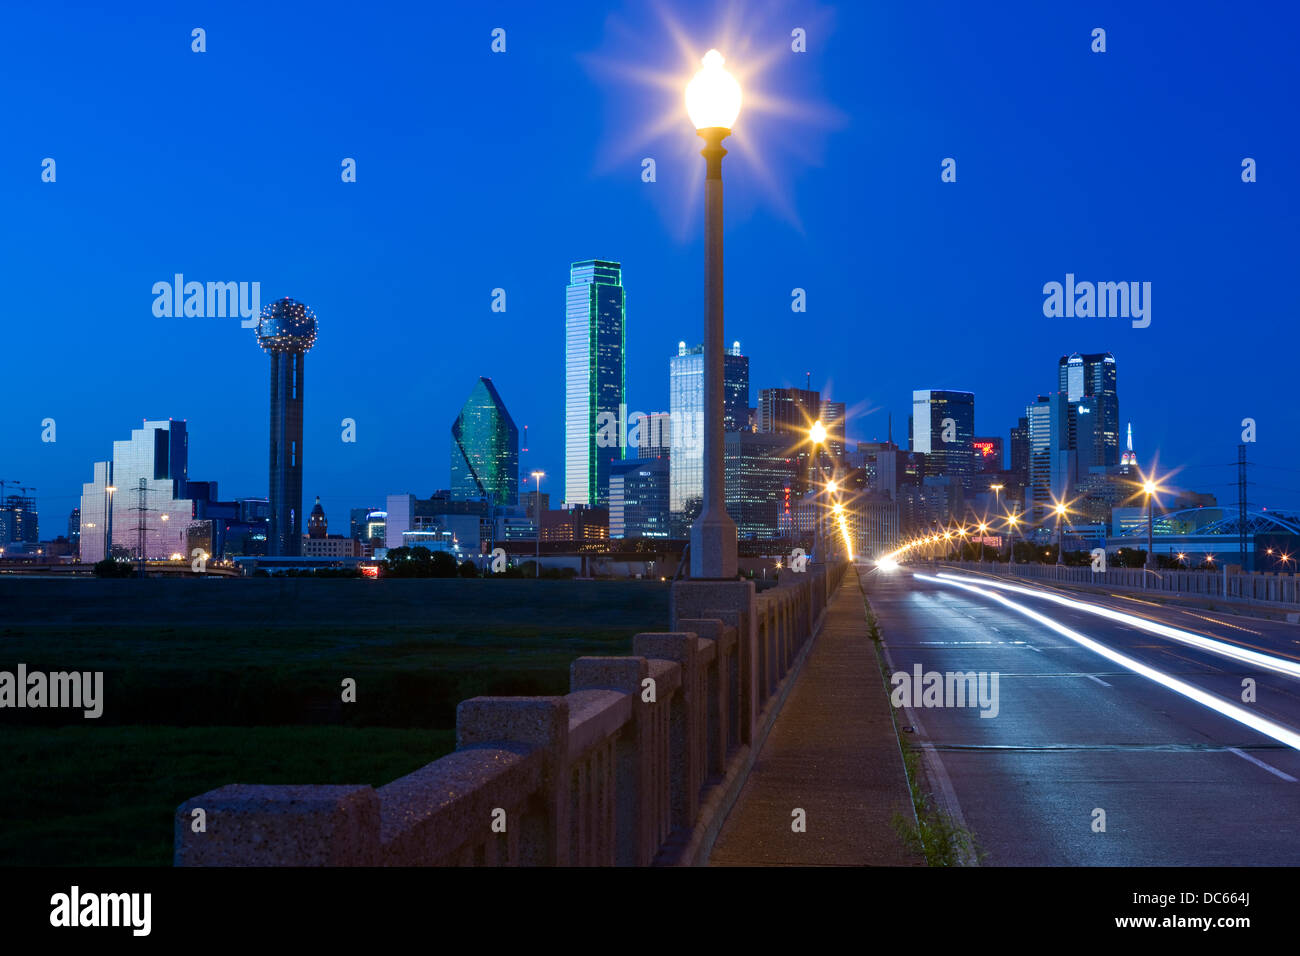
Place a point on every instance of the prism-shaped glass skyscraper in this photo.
(595, 386)
(485, 449)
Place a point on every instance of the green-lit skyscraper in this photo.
(485, 449)
(594, 380)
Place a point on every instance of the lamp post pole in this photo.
(1060, 537)
(537, 516)
(1150, 556)
(713, 102)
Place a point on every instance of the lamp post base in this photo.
(713, 547)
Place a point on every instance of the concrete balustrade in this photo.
(619, 771)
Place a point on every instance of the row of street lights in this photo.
(1149, 488)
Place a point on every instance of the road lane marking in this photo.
(1259, 763)
(1252, 720)
(1097, 679)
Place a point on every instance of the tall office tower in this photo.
(485, 449)
(791, 412)
(1050, 459)
(1093, 379)
(758, 469)
(788, 411)
(595, 385)
(833, 417)
(943, 429)
(735, 389)
(1020, 451)
(686, 411)
(158, 453)
(286, 330)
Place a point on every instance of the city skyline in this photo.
(980, 312)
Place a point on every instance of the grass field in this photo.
(238, 681)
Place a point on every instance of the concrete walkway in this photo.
(833, 752)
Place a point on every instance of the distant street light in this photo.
(1060, 533)
(537, 516)
(713, 103)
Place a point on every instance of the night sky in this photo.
(478, 171)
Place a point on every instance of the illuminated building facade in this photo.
(157, 453)
(485, 449)
(759, 468)
(638, 499)
(943, 428)
(1093, 380)
(595, 384)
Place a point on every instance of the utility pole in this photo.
(141, 523)
(1241, 504)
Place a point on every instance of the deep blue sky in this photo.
(479, 170)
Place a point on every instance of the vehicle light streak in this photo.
(1209, 644)
(1268, 728)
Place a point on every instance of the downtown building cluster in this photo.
(630, 479)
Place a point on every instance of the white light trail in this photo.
(1268, 728)
(1221, 648)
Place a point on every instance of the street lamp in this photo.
(1060, 533)
(1149, 489)
(537, 515)
(713, 103)
(816, 436)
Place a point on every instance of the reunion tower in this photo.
(286, 329)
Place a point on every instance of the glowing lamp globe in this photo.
(713, 95)
(817, 433)
(286, 325)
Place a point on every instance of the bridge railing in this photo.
(1246, 586)
(612, 773)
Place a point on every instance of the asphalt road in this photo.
(1075, 732)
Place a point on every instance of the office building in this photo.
(286, 330)
(594, 377)
(18, 520)
(987, 454)
(1051, 462)
(791, 412)
(140, 494)
(943, 429)
(758, 469)
(833, 418)
(686, 430)
(638, 499)
(485, 449)
(880, 462)
(1092, 380)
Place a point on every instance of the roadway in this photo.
(1180, 782)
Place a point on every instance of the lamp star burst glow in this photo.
(713, 95)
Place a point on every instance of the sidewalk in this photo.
(833, 752)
